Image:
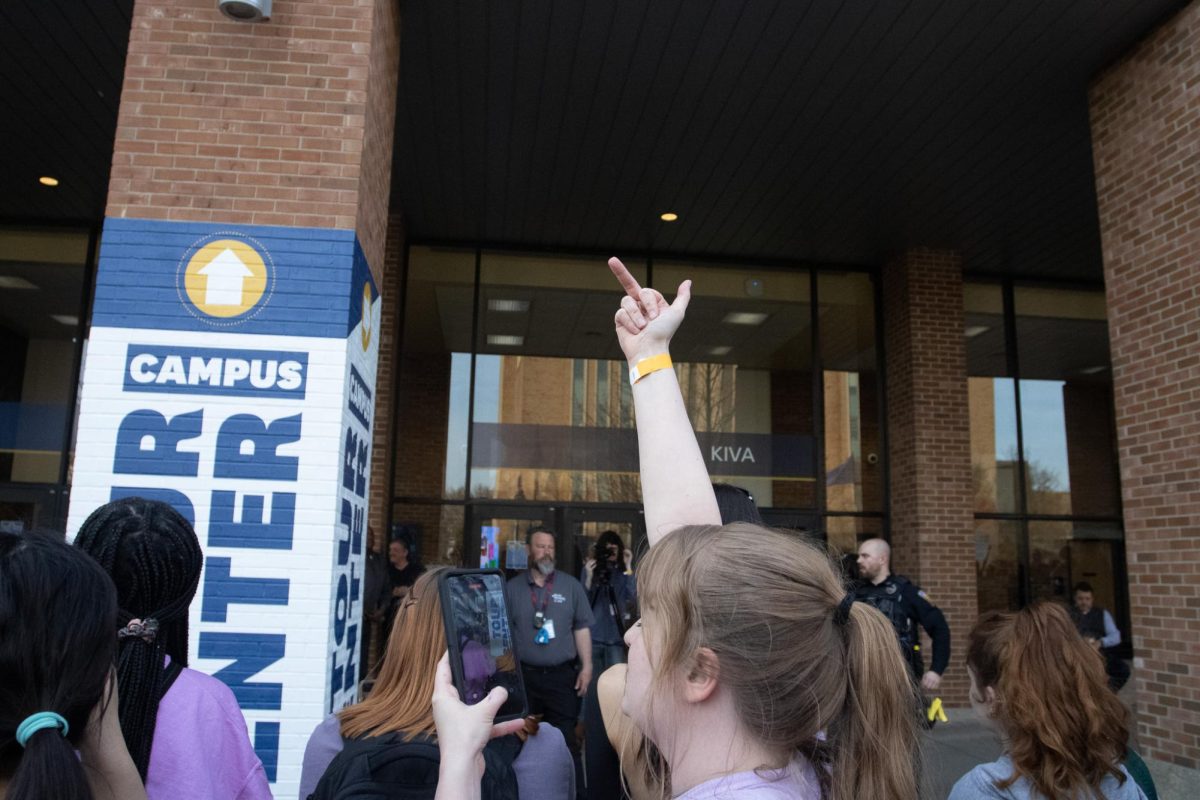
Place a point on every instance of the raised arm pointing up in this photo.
(675, 485)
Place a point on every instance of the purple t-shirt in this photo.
(797, 781)
(201, 750)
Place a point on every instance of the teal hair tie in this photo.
(40, 722)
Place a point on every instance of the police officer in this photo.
(905, 605)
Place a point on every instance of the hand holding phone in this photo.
(479, 640)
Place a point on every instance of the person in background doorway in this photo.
(736, 504)
(1097, 628)
(376, 599)
(402, 574)
(612, 590)
(906, 606)
(551, 624)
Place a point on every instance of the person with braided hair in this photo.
(59, 735)
(183, 728)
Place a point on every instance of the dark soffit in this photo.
(819, 131)
(790, 130)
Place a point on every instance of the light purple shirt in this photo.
(201, 750)
(797, 781)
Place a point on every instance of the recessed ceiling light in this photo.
(974, 330)
(519, 306)
(1093, 370)
(745, 318)
(46, 180)
(14, 282)
(66, 319)
(670, 216)
(500, 340)
(722, 350)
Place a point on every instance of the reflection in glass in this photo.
(436, 531)
(41, 287)
(745, 367)
(998, 564)
(433, 386)
(992, 401)
(1062, 553)
(994, 454)
(1066, 402)
(853, 475)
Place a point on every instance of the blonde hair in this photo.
(401, 699)
(764, 602)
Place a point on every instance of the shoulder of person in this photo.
(980, 782)
(203, 688)
(909, 588)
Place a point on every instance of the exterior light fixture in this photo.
(744, 318)
(670, 216)
(246, 10)
(46, 180)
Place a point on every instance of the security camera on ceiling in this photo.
(246, 10)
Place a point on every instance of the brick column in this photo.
(1145, 113)
(236, 329)
(929, 448)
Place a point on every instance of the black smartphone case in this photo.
(455, 650)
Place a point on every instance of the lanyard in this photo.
(545, 595)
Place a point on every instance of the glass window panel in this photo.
(1062, 553)
(42, 273)
(991, 400)
(998, 564)
(435, 530)
(1066, 402)
(853, 453)
(744, 361)
(553, 416)
(434, 383)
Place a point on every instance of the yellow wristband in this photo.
(648, 365)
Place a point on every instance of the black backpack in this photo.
(388, 768)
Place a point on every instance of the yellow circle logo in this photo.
(366, 316)
(225, 278)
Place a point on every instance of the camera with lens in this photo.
(608, 557)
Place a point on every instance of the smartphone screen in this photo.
(479, 639)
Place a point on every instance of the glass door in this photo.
(584, 525)
(496, 532)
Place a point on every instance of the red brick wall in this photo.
(287, 122)
(930, 441)
(1145, 116)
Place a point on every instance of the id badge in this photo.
(548, 629)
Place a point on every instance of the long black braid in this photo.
(154, 558)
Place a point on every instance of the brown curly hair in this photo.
(1066, 729)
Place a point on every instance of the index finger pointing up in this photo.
(628, 282)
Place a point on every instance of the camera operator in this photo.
(608, 578)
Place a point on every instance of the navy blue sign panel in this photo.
(566, 447)
(215, 371)
(249, 279)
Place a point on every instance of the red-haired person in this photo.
(1044, 689)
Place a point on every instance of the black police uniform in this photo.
(906, 607)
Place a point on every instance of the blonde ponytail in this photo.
(875, 743)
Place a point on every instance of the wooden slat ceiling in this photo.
(795, 130)
(808, 130)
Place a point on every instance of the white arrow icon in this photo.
(225, 275)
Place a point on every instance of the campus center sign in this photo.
(230, 371)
